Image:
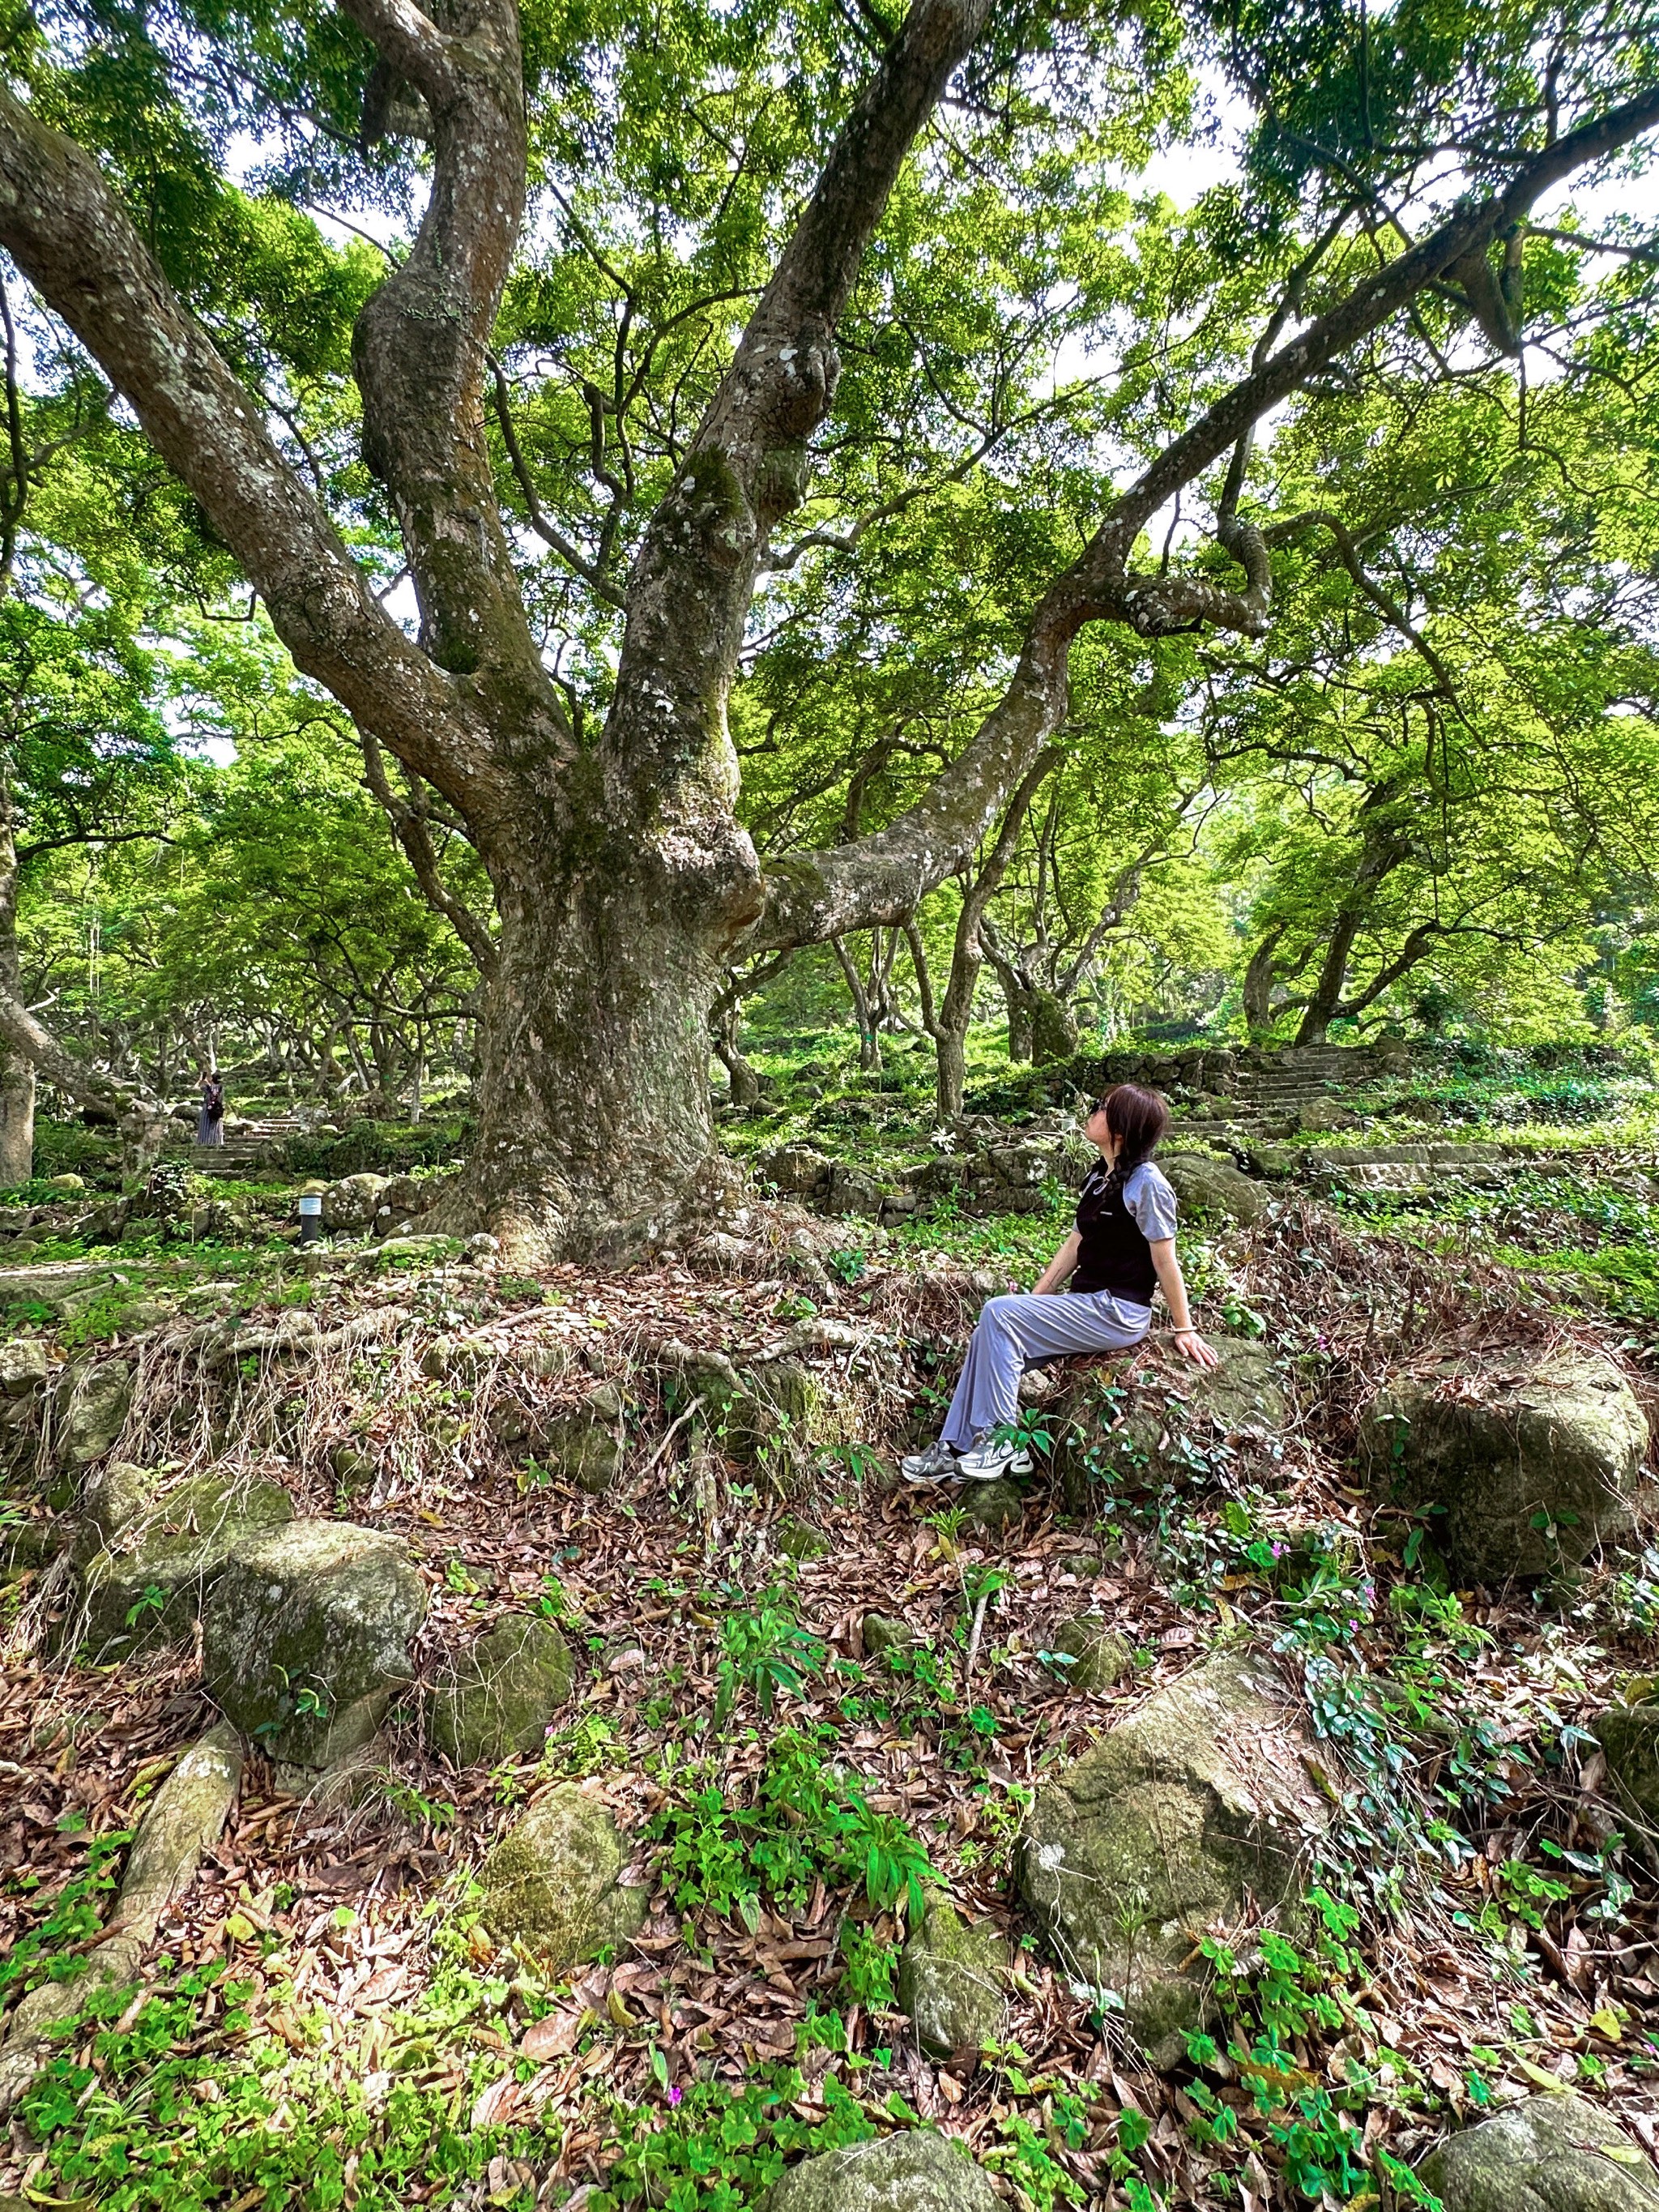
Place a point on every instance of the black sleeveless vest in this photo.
(1113, 1255)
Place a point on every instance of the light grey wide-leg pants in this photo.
(1012, 1333)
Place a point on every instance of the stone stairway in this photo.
(1265, 1097)
(248, 1146)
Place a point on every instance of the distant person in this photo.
(211, 1121)
(1120, 1251)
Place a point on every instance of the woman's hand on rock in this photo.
(1192, 1346)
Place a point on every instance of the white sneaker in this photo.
(938, 1464)
(989, 1461)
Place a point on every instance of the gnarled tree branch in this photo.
(883, 878)
(75, 242)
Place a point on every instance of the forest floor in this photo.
(325, 2021)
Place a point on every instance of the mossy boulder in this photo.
(305, 1634)
(992, 1508)
(354, 1202)
(1215, 1187)
(1100, 1656)
(98, 1395)
(586, 1447)
(953, 1976)
(1165, 1419)
(1549, 2154)
(797, 1171)
(1317, 1117)
(553, 1884)
(774, 1415)
(884, 1635)
(1534, 1461)
(24, 1366)
(499, 1699)
(161, 1554)
(911, 2171)
(795, 1539)
(1198, 1802)
(1629, 1737)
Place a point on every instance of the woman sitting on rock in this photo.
(1122, 1249)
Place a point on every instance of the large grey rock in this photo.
(1534, 1461)
(1197, 1802)
(911, 2171)
(1171, 1417)
(1215, 1187)
(146, 1583)
(499, 1699)
(96, 1409)
(23, 1366)
(354, 1202)
(1368, 1178)
(553, 1884)
(798, 1170)
(1549, 2154)
(305, 1634)
(851, 1193)
(953, 1981)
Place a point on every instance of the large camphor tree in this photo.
(1395, 164)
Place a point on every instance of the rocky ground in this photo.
(469, 1739)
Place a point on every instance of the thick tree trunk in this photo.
(950, 1072)
(1016, 990)
(1327, 1000)
(593, 1120)
(1054, 1029)
(1019, 1001)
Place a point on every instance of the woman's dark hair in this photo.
(1137, 1118)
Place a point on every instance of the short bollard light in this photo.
(311, 1213)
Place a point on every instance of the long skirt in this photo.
(1013, 1334)
(210, 1129)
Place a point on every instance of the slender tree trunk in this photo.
(948, 1025)
(869, 1042)
(726, 1021)
(949, 1043)
(1019, 1001)
(17, 1068)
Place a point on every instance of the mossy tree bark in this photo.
(17, 1068)
(624, 883)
